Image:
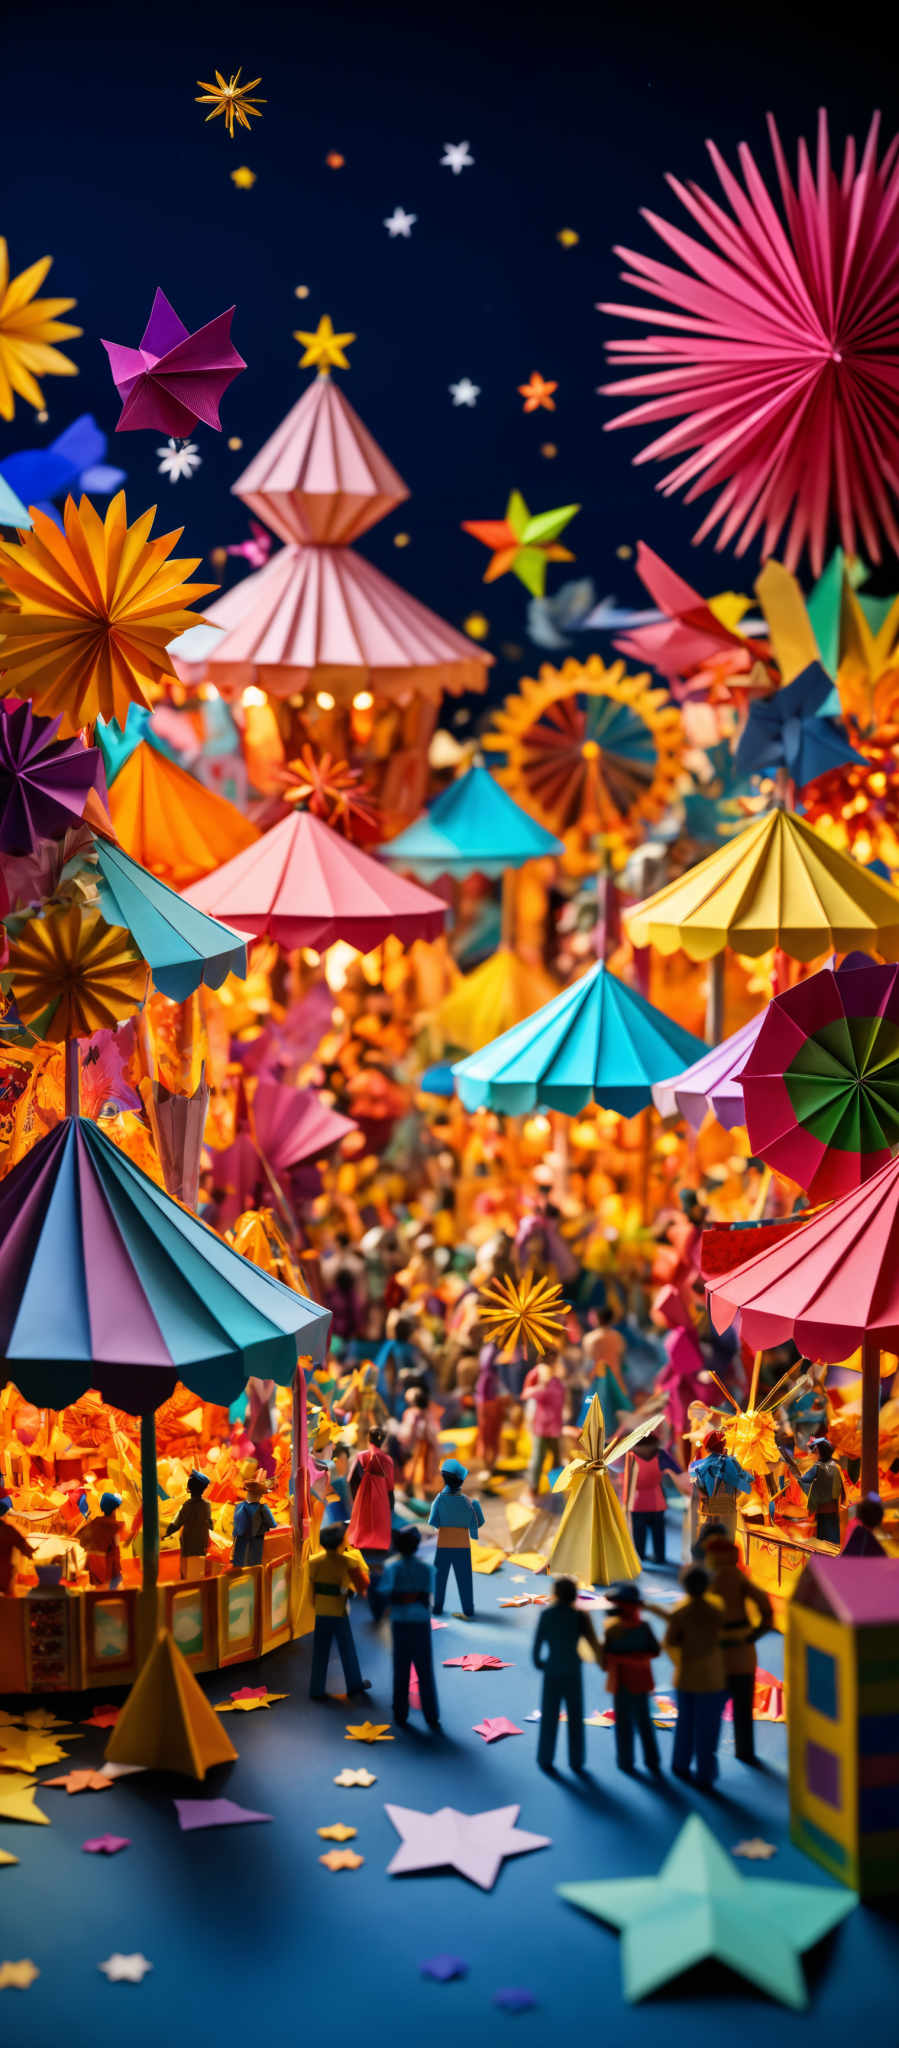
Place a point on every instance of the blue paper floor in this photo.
(252, 1939)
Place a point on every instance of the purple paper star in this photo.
(106, 1845)
(175, 379)
(444, 1968)
(514, 1998)
(474, 1844)
(214, 1813)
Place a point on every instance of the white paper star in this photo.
(125, 1969)
(178, 461)
(457, 157)
(465, 392)
(400, 223)
(474, 1844)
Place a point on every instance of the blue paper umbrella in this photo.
(597, 1042)
(182, 946)
(474, 828)
(106, 1282)
(788, 730)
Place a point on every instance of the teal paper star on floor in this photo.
(699, 1907)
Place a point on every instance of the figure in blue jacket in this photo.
(252, 1518)
(406, 1588)
(338, 1499)
(717, 1479)
(456, 1520)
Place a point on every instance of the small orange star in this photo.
(339, 1832)
(334, 160)
(82, 1781)
(342, 1859)
(548, 449)
(537, 392)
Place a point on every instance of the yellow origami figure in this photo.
(593, 1543)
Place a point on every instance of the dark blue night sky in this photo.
(573, 116)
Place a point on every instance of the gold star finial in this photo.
(323, 350)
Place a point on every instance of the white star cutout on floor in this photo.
(457, 157)
(465, 392)
(125, 1969)
(474, 1844)
(400, 223)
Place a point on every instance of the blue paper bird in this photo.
(73, 462)
(552, 620)
(788, 730)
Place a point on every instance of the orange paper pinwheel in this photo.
(97, 605)
(75, 973)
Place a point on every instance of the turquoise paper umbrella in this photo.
(599, 1041)
(474, 828)
(181, 945)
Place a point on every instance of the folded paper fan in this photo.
(44, 781)
(73, 974)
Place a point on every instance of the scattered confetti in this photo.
(324, 350)
(401, 540)
(338, 1832)
(301, 291)
(439, 1624)
(348, 1778)
(178, 459)
(514, 1999)
(231, 99)
(476, 1660)
(121, 1969)
(457, 157)
(444, 1968)
(248, 1698)
(341, 1859)
(243, 177)
(400, 223)
(235, 443)
(624, 553)
(476, 626)
(81, 1781)
(18, 1976)
(102, 1717)
(214, 1813)
(754, 1849)
(549, 450)
(106, 1845)
(368, 1731)
(538, 393)
(493, 1729)
(334, 160)
(568, 238)
(465, 392)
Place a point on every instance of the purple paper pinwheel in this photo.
(44, 782)
(175, 379)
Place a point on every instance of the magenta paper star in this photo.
(106, 1845)
(474, 1661)
(474, 1844)
(175, 379)
(493, 1729)
(214, 1813)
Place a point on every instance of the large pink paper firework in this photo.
(781, 360)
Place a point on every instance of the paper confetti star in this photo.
(323, 350)
(522, 1312)
(27, 328)
(17, 1795)
(338, 1832)
(341, 1859)
(18, 1976)
(444, 1968)
(214, 1813)
(457, 157)
(231, 99)
(537, 392)
(476, 626)
(474, 1844)
(119, 1969)
(514, 1998)
(106, 1845)
(334, 160)
(243, 177)
(349, 1778)
(102, 1717)
(494, 1728)
(755, 1850)
(7, 1857)
(176, 461)
(475, 1660)
(699, 1907)
(548, 450)
(28, 1749)
(81, 1781)
(37, 1717)
(400, 223)
(248, 1699)
(568, 237)
(523, 543)
(465, 392)
(368, 1731)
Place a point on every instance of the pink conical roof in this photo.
(301, 884)
(325, 618)
(321, 477)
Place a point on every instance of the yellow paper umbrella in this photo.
(97, 605)
(170, 822)
(594, 1542)
(489, 1001)
(74, 974)
(776, 884)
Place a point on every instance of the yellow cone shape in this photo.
(167, 1723)
(171, 823)
(776, 884)
(497, 995)
(593, 1542)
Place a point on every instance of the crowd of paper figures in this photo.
(539, 1096)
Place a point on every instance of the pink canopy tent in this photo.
(302, 884)
(832, 1285)
(317, 616)
(711, 1083)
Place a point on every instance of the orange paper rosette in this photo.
(75, 973)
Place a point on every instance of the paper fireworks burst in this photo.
(229, 97)
(774, 352)
(73, 974)
(28, 327)
(98, 604)
(526, 1313)
(333, 791)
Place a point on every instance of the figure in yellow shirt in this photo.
(335, 1574)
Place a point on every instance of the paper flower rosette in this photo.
(71, 974)
(525, 1313)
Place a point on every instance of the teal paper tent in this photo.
(12, 510)
(181, 945)
(474, 828)
(599, 1041)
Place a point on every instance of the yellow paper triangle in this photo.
(167, 1723)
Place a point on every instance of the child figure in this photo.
(419, 1439)
(545, 1388)
(628, 1646)
(338, 1499)
(746, 1614)
(560, 1630)
(252, 1518)
(100, 1541)
(406, 1587)
(11, 1541)
(693, 1637)
(456, 1520)
(194, 1521)
(644, 1494)
(335, 1573)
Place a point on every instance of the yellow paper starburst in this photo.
(97, 606)
(28, 327)
(75, 973)
(525, 1313)
(230, 98)
(323, 350)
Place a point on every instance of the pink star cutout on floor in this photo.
(106, 1845)
(493, 1729)
(102, 1717)
(473, 1660)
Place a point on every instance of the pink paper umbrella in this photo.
(302, 884)
(175, 379)
(44, 781)
(711, 1083)
(287, 1127)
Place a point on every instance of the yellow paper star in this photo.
(341, 1859)
(231, 99)
(249, 1705)
(27, 327)
(323, 350)
(17, 1976)
(338, 1833)
(347, 1778)
(17, 1799)
(6, 1858)
(27, 1749)
(243, 178)
(368, 1731)
(568, 237)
